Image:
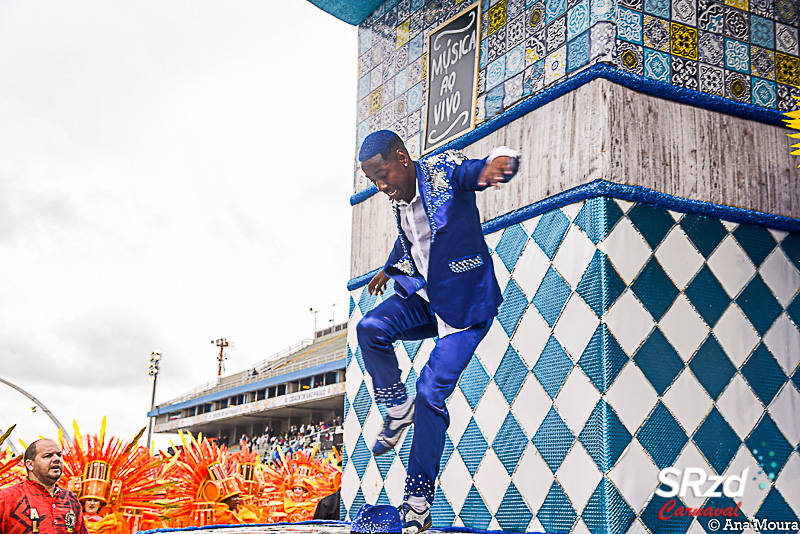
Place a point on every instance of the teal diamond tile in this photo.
(717, 441)
(512, 308)
(607, 512)
(510, 374)
(556, 513)
(662, 436)
(654, 289)
(603, 358)
(510, 443)
(653, 223)
(600, 285)
(604, 436)
(552, 367)
(472, 446)
(756, 242)
(553, 440)
(597, 217)
(759, 305)
(550, 231)
(705, 232)
(510, 246)
(551, 296)
(658, 361)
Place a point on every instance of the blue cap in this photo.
(377, 143)
(377, 519)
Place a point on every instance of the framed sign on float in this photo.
(453, 49)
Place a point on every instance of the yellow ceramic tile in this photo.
(403, 33)
(375, 99)
(683, 41)
(741, 4)
(787, 69)
(497, 16)
(424, 74)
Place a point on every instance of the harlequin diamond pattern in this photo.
(767, 305)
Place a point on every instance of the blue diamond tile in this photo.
(768, 446)
(511, 244)
(383, 498)
(510, 443)
(791, 246)
(441, 512)
(662, 436)
(358, 502)
(552, 367)
(510, 374)
(653, 223)
(707, 296)
(446, 452)
(411, 383)
(793, 310)
(512, 308)
(719, 503)
(360, 360)
(601, 285)
(472, 446)
(366, 302)
(796, 382)
(349, 356)
(553, 440)
(604, 436)
(603, 358)
(712, 367)
(764, 374)
(346, 407)
(384, 462)
(405, 450)
(362, 403)
(513, 514)
(717, 441)
(474, 512)
(473, 382)
(607, 512)
(361, 456)
(756, 242)
(597, 217)
(758, 304)
(550, 231)
(654, 289)
(658, 361)
(352, 306)
(774, 508)
(673, 525)
(551, 296)
(412, 348)
(345, 457)
(382, 409)
(556, 513)
(705, 232)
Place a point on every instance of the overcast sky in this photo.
(170, 173)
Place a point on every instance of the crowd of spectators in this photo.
(303, 437)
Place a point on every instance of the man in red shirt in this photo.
(37, 505)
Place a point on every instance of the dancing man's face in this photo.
(395, 176)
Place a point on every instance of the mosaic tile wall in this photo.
(630, 339)
(745, 50)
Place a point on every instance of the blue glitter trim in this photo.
(632, 193)
(608, 72)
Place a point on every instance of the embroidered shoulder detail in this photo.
(465, 264)
(404, 266)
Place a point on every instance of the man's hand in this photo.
(500, 170)
(378, 283)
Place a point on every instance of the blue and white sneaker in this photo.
(392, 430)
(414, 522)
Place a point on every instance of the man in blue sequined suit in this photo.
(444, 286)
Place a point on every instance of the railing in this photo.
(279, 367)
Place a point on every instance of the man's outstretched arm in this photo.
(476, 175)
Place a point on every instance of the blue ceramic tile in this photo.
(712, 367)
(769, 447)
(510, 443)
(661, 436)
(513, 514)
(657, 66)
(759, 305)
(556, 513)
(658, 361)
(762, 32)
(578, 52)
(764, 374)
(654, 289)
(603, 358)
(607, 512)
(707, 296)
(717, 441)
(737, 56)
(600, 285)
(552, 367)
(629, 25)
(604, 436)
(578, 19)
(551, 296)
(764, 93)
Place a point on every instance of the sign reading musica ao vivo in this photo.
(453, 49)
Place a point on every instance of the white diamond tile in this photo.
(778, 235)
(575, 326)
(626, 249)
(696, 528)
(688, 401)
(423, 354)
(491, 411)
(352, 330)
(530, 269)
(492, 480)
(457, 522)
(532, 477)
(352, 429)
(678, 257)
(576, 400)
(500, 271)
(624, 205)
(675, 215)
(572, 210)
(456, 481)
(632, 397)
(783, 341)
(781, 276)
(372, 425)
(531, 405)
(789, 483)
(683, 327)
(530, 337)
(731, 266)
(493, 239)
(492, 347)
(785, 411)
(580, 527)
(353, 377)
(730, 226)
(578, 475)
(691, 457)
(460, 415)
(753, 495)
(635, 476)
(573, 255)
(494, 525)
(395, 481)
(535, 525)
(736, 335)
(371, 482)
(629, 322)
(530, 224)
(350, 484)
(740, 407)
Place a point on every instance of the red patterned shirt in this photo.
(28, 508)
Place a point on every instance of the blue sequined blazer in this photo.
(461, 285)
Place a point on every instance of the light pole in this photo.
(155, 358)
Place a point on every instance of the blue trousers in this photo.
(408, 319)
